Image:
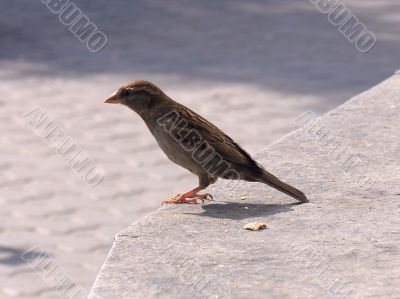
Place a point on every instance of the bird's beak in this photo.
(113, 99)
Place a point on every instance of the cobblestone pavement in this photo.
(250, 67)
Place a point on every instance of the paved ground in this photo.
(250, 67)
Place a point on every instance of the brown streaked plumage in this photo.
(194, 143)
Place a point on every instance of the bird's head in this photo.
(138, 95)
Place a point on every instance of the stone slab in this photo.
(343, 244)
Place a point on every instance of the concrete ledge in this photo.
(344, 244)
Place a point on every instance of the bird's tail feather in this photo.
(276, 183)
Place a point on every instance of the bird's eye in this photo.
(126, 93)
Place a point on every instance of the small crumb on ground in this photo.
(243, 198)
(255, 226)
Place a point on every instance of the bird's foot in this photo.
(187, 198)
(202, 197)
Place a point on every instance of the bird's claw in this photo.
(178, 199)
(204, 196)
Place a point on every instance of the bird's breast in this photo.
(174, 149)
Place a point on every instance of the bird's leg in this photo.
(189, 197)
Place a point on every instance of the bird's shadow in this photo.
(238, 211)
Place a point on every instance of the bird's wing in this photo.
(218, 140)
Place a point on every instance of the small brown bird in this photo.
(194, 143)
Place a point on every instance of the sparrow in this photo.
(194, 143)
